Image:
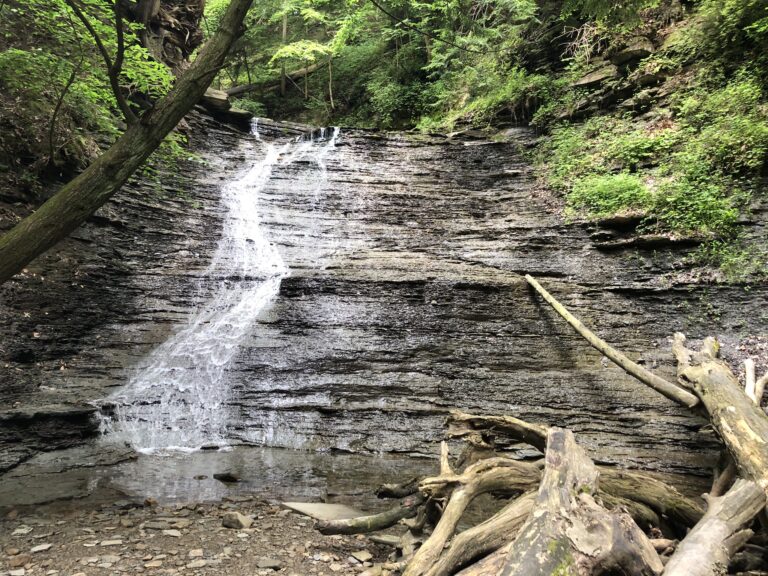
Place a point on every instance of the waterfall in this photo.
(178, 396)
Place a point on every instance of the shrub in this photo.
(610, 193)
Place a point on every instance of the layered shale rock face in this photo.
(403, 300)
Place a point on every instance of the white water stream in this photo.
(178, 396)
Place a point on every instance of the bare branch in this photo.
(113, 68)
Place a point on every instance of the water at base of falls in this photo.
(178, 396)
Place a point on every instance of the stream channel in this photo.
(310, 309)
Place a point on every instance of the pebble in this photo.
(196, 553)
(173, 533)
(362, 555)
(236, 520)
(269, 563)
(19, 560)
(197, 564)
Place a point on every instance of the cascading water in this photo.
(178, 397)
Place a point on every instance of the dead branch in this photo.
(668, 389)
(491, 475)
(364, 524)
(461, 424)
(484, 538)
(709, 546)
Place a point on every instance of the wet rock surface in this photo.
(404, 300)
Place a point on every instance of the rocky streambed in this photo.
(241, 536)
(403, 299)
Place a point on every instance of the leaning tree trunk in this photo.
(81, 197)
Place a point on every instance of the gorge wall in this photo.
(404, 300)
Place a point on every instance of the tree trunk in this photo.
(569, 534)
(739, 422)
(81, 197)
(709, 546)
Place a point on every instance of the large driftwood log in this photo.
(657, 495)
(491, 475)
(739, 422)
(709, 546)
(569, 533)
(486, 537)
(364, 524)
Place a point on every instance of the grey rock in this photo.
(635, 49)
(269, 563)
(597, 77)
(215, 100)
(236, 520)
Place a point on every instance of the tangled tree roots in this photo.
(570, 517)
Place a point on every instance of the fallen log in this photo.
(363, 524)
(569, 533)
(266, 87)
(668, 389)
(492, 475)
(484, 538)
(708, 548)
(740, 423)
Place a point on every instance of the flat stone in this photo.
(597, 77)
(19, 572)
(153, 564)
(322, 511)
(236, 520)
(196, 553)
(173, 533)
(269, 563)
(111, 543)
(156, 525)
(41, 548)
(362, 555)
(197, 564)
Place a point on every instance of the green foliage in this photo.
(731, 127)
(55, 65)
(254, 107)
(738, 260)
(604, 194)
